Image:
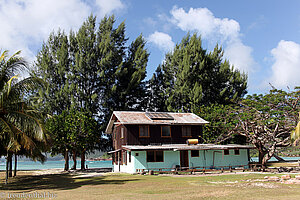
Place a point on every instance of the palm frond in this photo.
(28, 124)
(10, 66)
(28, 85)
(27, 142)
(9, 84)
(3, 56)
(4, 126)
(21, 127)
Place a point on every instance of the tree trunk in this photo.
(10, 164)
(15, 170)
(6, 174)
(262, 160)
(83, 160)
(74, 160)
(66, 160)
(260, 157)
(264, 163)
(266, 157)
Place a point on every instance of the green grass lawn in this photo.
(121, 186)
(283, 164)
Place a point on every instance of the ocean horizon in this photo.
(32, 165)
(60, 164)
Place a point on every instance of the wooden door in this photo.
(184, 159)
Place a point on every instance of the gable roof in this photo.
(168, 118)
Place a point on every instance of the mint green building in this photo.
(182, 157)
(144, 141)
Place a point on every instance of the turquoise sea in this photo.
(31, 165)
(273, 159)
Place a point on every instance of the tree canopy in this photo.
(267, 120)
(21, 126)
(92, 71)
(73, 131)
(221, 120)
(190, 76)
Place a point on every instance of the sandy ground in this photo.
(102, 171)
(48, 171)
(76, 173)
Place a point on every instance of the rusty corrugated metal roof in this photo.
(134, 117)
(126, 117)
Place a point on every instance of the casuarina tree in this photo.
(192, 76)
(92, 71)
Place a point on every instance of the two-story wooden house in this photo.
(158, 141)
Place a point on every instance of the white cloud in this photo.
(203, 20)
(225, 31)
(162, 40)
(25, 24)
(286, 67)
(107, 7)
(240, 56)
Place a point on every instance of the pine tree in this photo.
(52, 66)
(92, 71)
(129, 93)
(194, 77)
(85, 70)
(157, 91)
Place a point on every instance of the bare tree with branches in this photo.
(267, 121)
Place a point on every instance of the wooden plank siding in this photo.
(131, 135)
(118, 141)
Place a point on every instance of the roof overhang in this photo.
(110, 125)
(110, 152)
(179, 147)
(158, 123)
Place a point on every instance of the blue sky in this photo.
(260, 38)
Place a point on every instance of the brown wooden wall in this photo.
(117, 140)
(131, 135)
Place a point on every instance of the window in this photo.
(122, 132)
(150, 156)
(129, 156)
(194, 153)
(136, 154)
(159, 155)
(166, 131)
(186, 131)
(226, 152)
(155, 156)
(236, 152)
(144, 131)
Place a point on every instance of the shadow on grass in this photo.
(58, 181)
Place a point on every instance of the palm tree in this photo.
(20, 125)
